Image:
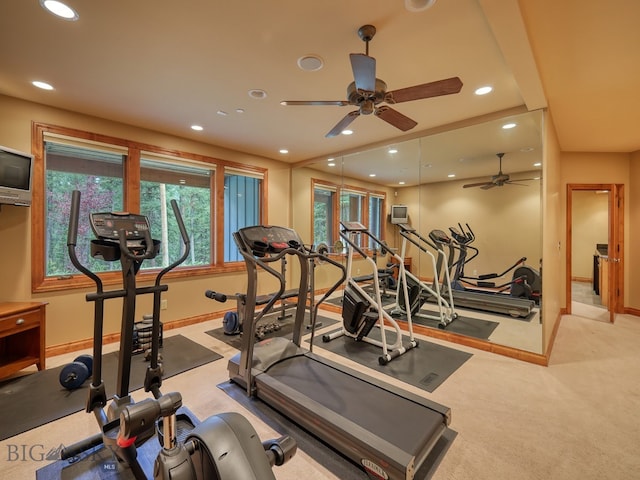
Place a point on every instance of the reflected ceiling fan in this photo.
(367, 92)
(499, 180)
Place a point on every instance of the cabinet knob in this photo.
(20, 321)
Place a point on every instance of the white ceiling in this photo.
(168, 65)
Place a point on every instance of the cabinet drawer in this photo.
(19, 322)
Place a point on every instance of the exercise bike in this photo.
(224, 446)
(524, 283)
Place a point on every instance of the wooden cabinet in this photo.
(22, 336)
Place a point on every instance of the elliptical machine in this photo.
(525, 282)
(223, 446)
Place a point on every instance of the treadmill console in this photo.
(107, 225)
(353, 227)
(438, 236)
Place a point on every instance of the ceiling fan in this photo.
(367, 92)
(498, 180)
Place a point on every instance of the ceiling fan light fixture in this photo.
(347, 132)
(418, 5)
(310, 63)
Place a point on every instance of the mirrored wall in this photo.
(481, 182)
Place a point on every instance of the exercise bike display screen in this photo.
(107, 225)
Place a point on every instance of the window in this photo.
(97, 174)
(114, 174)
(324, 206)
(190, 187)
(241, 209)
(376, 216)
(356, 205)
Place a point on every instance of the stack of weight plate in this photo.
(142, 332)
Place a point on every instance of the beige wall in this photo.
(69, 316)
(553, 251)
(632, 263)
(505, 220)
(590, 226)
(603, 168)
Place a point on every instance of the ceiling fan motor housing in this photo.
(358, 97)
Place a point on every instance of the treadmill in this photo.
(387, 431)
(487, 301)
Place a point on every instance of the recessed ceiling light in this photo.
(418, 5)
(310, 63)
(393, 150)
(347, 132)
(372, 175)
(330, 159)
(257, 94)
(483, 90)
(400, 183)
(537, 164)
(222, 113)
(331, 164)
(42, 85)
(507, 126)
(451, 175)
(239, 110)
(59, 9)
(197, 128)
(527, 149)
(427, 165)
(284, 151)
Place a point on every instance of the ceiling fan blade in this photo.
(364, 71)
(525, 179)
(489, 185)
(342, 124)
(395, 118)
(426, 90)
(480, 184)
(339, 103)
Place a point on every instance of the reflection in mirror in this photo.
(502, 210)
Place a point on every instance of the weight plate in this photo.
(73, 375)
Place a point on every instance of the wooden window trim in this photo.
(40, 283)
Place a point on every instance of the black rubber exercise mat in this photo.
(425, 367)
(284, 329)
(32, 400)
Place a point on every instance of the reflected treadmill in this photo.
(387, 431)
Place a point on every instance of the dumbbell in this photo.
(74, 374)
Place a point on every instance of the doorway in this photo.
(595, 262)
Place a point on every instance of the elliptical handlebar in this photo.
(72, 238)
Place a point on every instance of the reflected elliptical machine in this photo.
(419, 292)
(360, 311)
(224, 446)
(525, 282)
